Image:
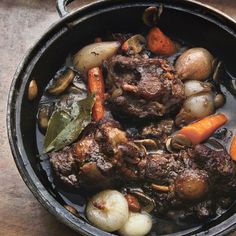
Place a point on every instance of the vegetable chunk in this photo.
(159, 43)
(199, 131)
(96, 86)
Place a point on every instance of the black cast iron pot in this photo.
(191, 21)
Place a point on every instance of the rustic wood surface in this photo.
(22, 22)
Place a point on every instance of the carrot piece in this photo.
(133, 203)
(96, 85)
(232, 150)
(199, 131)
(159, 43)
(125, 47)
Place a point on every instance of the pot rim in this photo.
(204, 5)
(26, 171)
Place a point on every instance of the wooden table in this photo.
(22, 22)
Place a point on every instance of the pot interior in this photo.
(186, 22)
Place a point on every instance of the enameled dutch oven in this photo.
(195, 23)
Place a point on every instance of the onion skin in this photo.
(108, 210)
(94, 54)
(194, 64)
(138, 224)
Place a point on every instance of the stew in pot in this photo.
(137, 133)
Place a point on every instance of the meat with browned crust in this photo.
(64, 167)
(141, 87)
(107, 157)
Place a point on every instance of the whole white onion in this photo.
(138, 224)
(108, 210)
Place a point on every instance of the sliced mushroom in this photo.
(72, 210)
(161, 188)
(32, 90)
(168, 145)
(151, 15)
(134, 45)
(149, 145)
(44, 114)
(146, 142)
(179, 142)
(60, 84)
(147, 203)
(117, 92)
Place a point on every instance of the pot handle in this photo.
(61, 7)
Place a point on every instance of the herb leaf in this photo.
(64, 130)
(58, 121)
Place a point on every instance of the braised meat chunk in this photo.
(158, 130)
(104, 157)
(64, 167)
(220, 167)
(143, 87)
(192, 178)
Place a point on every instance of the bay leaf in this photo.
(58, 121)
(73, 128)
(75, 109)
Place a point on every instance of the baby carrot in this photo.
(96, 86)
(125, 46)
(232, 150)
(159, 43)
(199, 131)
